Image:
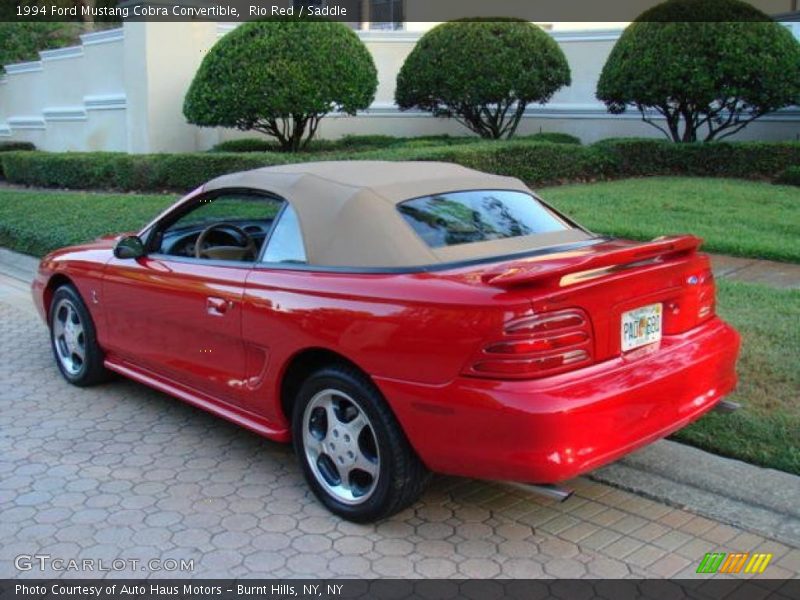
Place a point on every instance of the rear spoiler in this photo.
(527, 273)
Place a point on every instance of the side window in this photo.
(286, 243)
(224, 227)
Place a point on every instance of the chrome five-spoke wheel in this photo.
(73, 338)
(351, 448)
(341, 447)
(69, 337)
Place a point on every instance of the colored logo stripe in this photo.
(720, 562)
(758, 563)
(734, 563)
(711, 562)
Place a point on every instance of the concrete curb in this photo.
(778, 275)
(754, 498)
(761, 500)
(19, 266)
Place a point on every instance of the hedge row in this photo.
(749, 160)
(14, 147)
(126, 172)
(535, 162)
(790, 176)
(363, 143)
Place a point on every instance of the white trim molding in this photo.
(33, 66)
(598, 35)
(106, 102)
(405, 37)
(87, 39)
(64, 113)
(26, 122)
(225, 27)
(555, 110)
(106, 36)
(61, 53)
(390, 36)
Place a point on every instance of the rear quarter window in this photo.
(477, 216)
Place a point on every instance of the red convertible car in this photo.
(395, 319)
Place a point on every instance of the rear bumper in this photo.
(549, 430)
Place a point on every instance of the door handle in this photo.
(217, 306)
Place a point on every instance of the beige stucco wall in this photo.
(71, 99)
(123, 90)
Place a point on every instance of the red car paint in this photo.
(222, 338)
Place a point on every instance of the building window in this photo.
(386, 15)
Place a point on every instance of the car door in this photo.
(269, 313)
(177, 315)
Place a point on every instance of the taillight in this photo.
(706, 296)
(696, 304)
(536, 346)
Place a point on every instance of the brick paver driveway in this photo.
(120, 471)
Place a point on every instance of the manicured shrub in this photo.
(790, 176)
(281, 78)
(706, 67)
(553, 136)
(246, 145)
(483, 73)
(14, 146)
(357, 142)
(348, 142)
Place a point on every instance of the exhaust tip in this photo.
(554, 492)
(727, 406)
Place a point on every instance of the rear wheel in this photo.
(353, 453)
(73, 338)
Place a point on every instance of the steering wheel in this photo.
(225, 252)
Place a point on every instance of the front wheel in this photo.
(74, 340)
(353, 453)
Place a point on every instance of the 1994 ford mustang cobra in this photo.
(394, 319)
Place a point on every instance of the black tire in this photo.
(401, 475)
(91, 370)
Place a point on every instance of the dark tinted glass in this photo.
(478, 216)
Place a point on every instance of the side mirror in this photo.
(130, 246)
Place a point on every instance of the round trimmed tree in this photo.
(483, 73)
(281, 78)
(702, 69)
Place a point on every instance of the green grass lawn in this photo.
(37, 222)
(743, 218)
(767, 431)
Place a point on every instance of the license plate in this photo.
(641, 326)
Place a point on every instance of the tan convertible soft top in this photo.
(348, 215)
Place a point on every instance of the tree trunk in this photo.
(88, 19)
(690, 127)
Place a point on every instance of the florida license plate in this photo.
(641, 326)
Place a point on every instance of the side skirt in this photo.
(236, 415)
